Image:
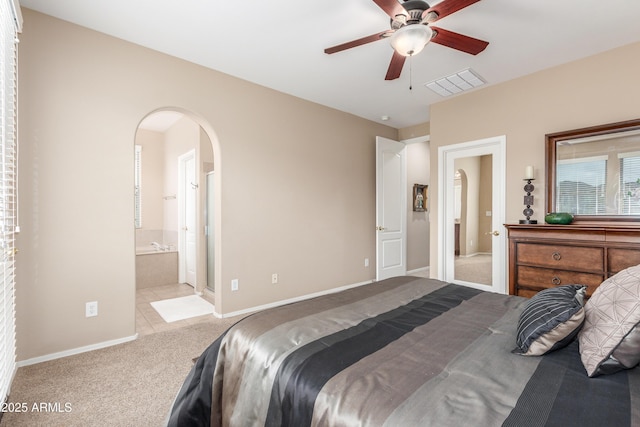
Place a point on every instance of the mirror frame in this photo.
(550, 152)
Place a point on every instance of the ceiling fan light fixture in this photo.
(411, 39)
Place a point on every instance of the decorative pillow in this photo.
(550, 320)
(610, 339)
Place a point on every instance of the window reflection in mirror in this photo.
(595, 173)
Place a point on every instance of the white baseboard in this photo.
(475, 254)
(289, 301)
(73, 351)
(418, 270)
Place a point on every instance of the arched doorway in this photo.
(175, 242)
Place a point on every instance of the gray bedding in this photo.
(405, 351)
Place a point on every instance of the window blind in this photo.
(629, 183)
(584, 195)
(9, 26)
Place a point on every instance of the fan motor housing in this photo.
(415, 8)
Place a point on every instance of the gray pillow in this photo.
(610, 339)
(550, 320)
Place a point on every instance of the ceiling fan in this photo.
(411, 30)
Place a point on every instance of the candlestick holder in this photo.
(528, 202)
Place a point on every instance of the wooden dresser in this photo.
(543, 256)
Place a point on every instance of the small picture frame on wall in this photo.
(420, 197)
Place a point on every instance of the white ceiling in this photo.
(280, 44)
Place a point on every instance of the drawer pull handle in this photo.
(556, 256)
(556, 280)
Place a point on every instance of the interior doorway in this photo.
(471, 213)
(174, 154)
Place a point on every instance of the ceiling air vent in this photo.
(456, 83)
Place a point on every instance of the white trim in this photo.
(17, 14)
(627, 155)
(74, 351)
(289, 301)
(9, 27)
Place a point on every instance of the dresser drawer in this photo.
(542, 278)
(561, 257)
(621, 258)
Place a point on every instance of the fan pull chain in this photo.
(410, 72)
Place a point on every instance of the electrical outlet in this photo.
(91, 309)
(274, 278)
(234, 285)
(366, 262)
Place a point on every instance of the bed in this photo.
(404, 351)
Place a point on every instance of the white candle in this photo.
(528, 172)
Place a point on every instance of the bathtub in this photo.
(155, 267)
(146, 250)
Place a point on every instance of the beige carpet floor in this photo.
(476, 269)
(131, 384)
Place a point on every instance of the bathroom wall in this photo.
(152, 185)
(179, 139)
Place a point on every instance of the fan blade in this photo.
(458, 41)
(395, 67)
(447, 7)
(392, 7)
(359, 42)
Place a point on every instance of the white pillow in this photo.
(610, 337)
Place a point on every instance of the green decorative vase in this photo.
(558, 218)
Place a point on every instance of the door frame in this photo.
(210, 229)
(182, 199)
(447, 154)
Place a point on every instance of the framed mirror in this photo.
(594, 173)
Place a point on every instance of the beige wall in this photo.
(596, 90)
(418, 158)
(414, 131)
(295, 181)
(418, 155)
(470, 168)
(485, 240)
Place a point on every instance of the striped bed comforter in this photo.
(405, 351)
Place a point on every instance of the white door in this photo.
(188, 190)
(448, 158)
(391, 208)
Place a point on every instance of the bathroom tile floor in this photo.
(148, 321)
